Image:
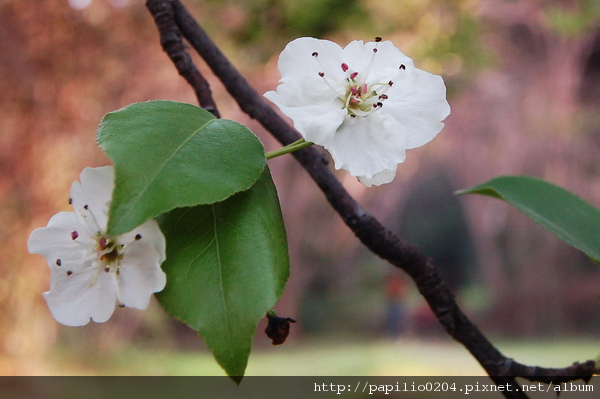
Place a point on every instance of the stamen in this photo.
(96, 274)
(95, 221)
(377, 39)
(353, 75)
(326, 71)
(117, 289)
(85, 207)
(402, 66)
(58, 262)
(70, 201)
(107, 269)
(383, 97)
(337, 93)
(360, 112)
(91, 265)
(366, 71)
(347, 102)
(74, 235)
(390, 83)
(138, 236)
(344, 67)
(86, 221)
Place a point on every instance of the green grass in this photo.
(327, 357)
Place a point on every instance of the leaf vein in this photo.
(161, 168)
(222, 289)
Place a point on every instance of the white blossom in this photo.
(365, 103)
(90, 271)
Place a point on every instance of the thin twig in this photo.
(170, 39)
(369, 230)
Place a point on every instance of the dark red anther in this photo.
(353, 75)
(58, 262)
(138, 236)
(402, 66)
(70, 201)
(380, 105)
(315, 54)
(391, 83)
(383, 97)
(344, 67)
(85, 207)
(377, 39)
(74, 235)
(321, 74)
(374, 50)
(107, 269)
(69, 272)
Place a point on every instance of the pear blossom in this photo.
(365, 103)
(90, 271)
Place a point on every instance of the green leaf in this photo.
(558, 210)
(168, 155)
(227, 264)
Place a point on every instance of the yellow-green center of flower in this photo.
(360, 98)
(107, 250)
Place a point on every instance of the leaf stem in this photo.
(295, 146)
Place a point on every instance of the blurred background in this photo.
(523, 82)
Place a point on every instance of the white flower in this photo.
(91, 271)
(366, 103)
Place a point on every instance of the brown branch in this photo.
(170, 39)
(369, 230)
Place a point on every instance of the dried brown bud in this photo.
(278, 328)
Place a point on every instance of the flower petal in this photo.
(150, 234)
(74, 300)
(317, 123)
(368, 146)
(418, 102)
(56, 240)
(140, 275)
(313, 102)
(95, 191)
(380, 178)
(381, 66)
(297, 61)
